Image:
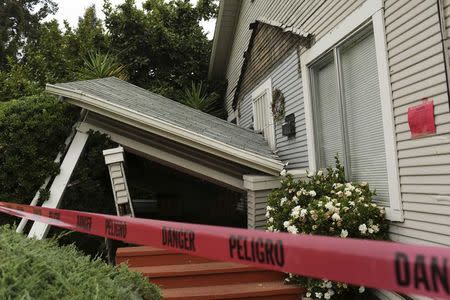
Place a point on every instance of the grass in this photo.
(32, 269)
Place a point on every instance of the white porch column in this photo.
(58, 187)
(114, 160)
(258, 188)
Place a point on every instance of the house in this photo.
(347, 72)
(306, 80)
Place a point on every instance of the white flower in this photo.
(352, 203)
(329, 205)
(292, 229)
(361, 289)
(270, 228)
(283, 172)
(295, 213)
(267, 214)
(339, 194)
(370, 230)
(363, 183)
(328, 284)
(348, 193)
(374, 205)
(336, 217)
(283, 200)
(362, 228)
(308, 295)
(319, 295)
(319, 203)
(312, 193)
(310, 174)
(271, 220)
(375, 228)
(344, 233)
(286, 224)
(295, 199)
(320, 172)
(314, 227)
(269, 208)
(358, 191)
(331, 292)
(303, 213)
(327, 295)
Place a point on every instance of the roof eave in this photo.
(170, 131)
(223, 37)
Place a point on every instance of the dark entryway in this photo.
(163, 193)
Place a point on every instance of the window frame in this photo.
(265, 87)
(370, 12)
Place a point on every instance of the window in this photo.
(262, 113)
(348, 103)
(347, 112)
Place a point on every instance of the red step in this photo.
(213, 273)
(251, 290)
(151, 256)
(182, 276)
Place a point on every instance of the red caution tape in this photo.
(409, 269)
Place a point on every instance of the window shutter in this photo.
(328, 121)
(367, 158)
(262, 116)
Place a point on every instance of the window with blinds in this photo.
(348, 116)
(262, 113)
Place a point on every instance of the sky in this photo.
(71, 10)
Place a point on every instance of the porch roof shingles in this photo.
(134, 98)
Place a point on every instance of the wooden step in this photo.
(213, 273)
(151, 256)
(251, 290)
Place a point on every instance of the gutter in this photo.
(167, 130)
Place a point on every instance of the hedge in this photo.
(32, 131)
(33, 269)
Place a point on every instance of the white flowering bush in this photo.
(325, 204)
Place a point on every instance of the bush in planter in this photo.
(326, 204)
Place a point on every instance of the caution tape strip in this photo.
(409, 269)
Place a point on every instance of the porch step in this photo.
(151, 256)
(251, 290)
(204, 274)
(182, 276)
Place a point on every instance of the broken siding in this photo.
(312, 16)
(286, 77)
(417, 70)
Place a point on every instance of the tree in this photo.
(19, 22)
(162, 44)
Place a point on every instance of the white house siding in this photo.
(417, 70)
(313, 16)
(286, 77)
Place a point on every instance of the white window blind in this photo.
(328, 109)
(348, 115)
(262, 115)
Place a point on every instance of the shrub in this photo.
(326, 204)
(32, 269)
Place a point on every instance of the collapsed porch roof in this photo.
(139, 108)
